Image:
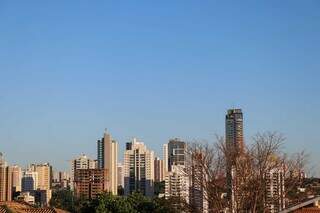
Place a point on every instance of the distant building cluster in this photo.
(32, 185)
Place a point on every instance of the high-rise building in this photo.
(107, 159)
(89, 183)
(5, 180)
(235, 146)
(139, 169)
(234, 130)
(16, 178)
(29, 181)
(44, 183)
(176, 153)
(64, 179)
(82, 162)
(45, 175)
(165, 159)
(120, 175)
(275, 194)
(158, 170)
(177, 183)
(198, 196)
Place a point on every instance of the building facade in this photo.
(158, 170)
(43, 191)
(107, 154)
(5, 180)
(64, 179)
(165, 159)
(176, 153)
(275, 194)
(82, 162)
(45, 175)
(29, 181)
(89, 183)
(177, 183)
(120, 175)
(234, 130)
(198, 196)
(16, 178)
(235, 146)
(139, 169)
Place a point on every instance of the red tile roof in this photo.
(308, 210)
(25, 208)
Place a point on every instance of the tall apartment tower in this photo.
(5, 180)
(275, 193)
(138, 169)
(234, 130)
(16, 178)
(120, 175)
(107, 151)
(165, 159)
(198, 195)
(44, 175)
(158, 170)
(235, 146)
(176, 153)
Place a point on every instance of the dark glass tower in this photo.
(234, 130)
(100, 153)
(176, 152)
(235, 146)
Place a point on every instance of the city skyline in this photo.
(155, 72)
(200, 175)
(121, 151)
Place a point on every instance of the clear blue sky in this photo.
(154, 70)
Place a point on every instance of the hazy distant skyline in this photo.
(155, 71)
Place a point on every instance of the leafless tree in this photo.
(250, 168)
(206, 167)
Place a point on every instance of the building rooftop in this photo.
(17, 207)
(308, 210)
(309, 205)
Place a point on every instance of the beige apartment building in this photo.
(16, 178)
(158, 170)
(107, 150)
(138, 169)
(177, 183)
(44, 176)
(5, 180)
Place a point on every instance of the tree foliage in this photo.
(108, 203)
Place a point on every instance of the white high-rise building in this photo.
(275, 194)
(139, 169)
(108, 159)
(177, 183)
